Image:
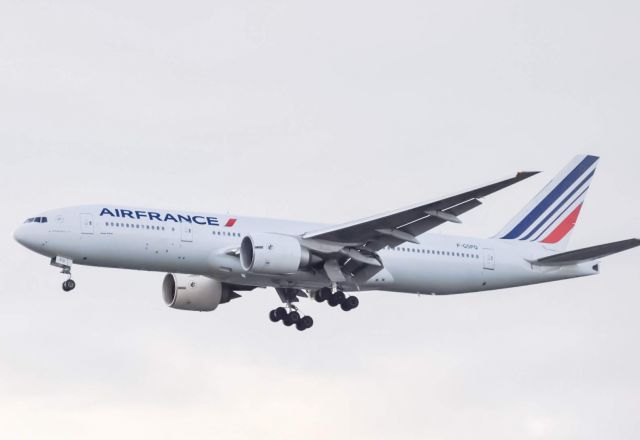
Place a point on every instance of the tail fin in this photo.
(550, 217)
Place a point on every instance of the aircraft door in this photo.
(86, 222)
(186, 233)
(489, 261)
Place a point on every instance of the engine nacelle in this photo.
(194, 292)
(272, 254)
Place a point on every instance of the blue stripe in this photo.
(561, 214)
(560, 205)
(554, 195)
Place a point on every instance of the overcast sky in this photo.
(322, 111)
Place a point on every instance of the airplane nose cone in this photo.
(21, 236)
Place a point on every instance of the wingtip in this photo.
(526, 174)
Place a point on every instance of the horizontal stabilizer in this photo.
(587, 254)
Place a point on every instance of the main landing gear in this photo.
(291, 317)
(290, 314)
(334, 299)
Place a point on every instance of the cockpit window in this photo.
(29, 220)
(36, 220)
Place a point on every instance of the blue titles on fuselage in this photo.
(167, 217)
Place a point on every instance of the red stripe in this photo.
(563, 228)
(230, 222)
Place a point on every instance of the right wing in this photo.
(350, 249)
(396, 227)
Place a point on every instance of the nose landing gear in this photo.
(65, 265)
(68, 285)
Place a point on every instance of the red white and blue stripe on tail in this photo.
(552, 214)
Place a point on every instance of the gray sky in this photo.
(322, 111)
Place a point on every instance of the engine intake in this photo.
(194, 292)
(273, 254)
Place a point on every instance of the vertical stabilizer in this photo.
(550, 217)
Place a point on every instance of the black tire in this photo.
(280, 313)
(71, 284)
(333, 300)
(300, 326)
(287, 320)
(352, 302)
(307, 321)
(273, 316)
(344, 306)
(341, 296)
(294, 316)
(64, 287)
(323, 294)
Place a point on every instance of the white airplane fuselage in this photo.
(204, 244)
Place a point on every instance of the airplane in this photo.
(210, 259)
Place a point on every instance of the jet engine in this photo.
(195, 292)
(273, 254)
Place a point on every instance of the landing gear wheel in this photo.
(280, 313)
(304, 323)
(273, 316)
(294, 316)
(68, 285)
(336, 298)
(349, 303)
(291, 318)
(323, 294)
(307, 321)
